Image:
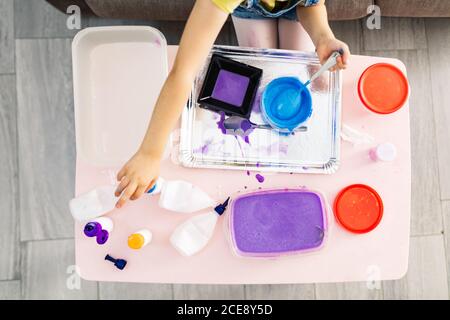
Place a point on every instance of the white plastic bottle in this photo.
(93, 204)
(182, 196)
(194, 234)
(99, 201)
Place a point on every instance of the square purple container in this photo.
(229, 87)
(272, 223)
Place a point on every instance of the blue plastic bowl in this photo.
(286, 103)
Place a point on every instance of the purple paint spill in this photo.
(236, 126)
(277, 222)
(260, 178)
(230, 87)
(203, 149)
(256, 108)
(220, 123)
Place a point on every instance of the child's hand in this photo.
(326, 46)
(136, 177)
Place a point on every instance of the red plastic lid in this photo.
(383, 88)
(358, 208)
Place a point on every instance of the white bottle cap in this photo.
(386, 152)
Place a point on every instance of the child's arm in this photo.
(142, 170)
(315, 21)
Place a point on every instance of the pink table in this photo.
(379, 255)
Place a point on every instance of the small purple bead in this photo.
(102, 237)
(260, 178)
(91, 229)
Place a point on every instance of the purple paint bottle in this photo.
(99, 228)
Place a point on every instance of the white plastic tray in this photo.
(111, 120)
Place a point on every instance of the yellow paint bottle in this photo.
(139, 239)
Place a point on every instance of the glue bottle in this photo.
(139, 239)
(194, 234)
(182, 196)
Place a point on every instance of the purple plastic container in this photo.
(272, 223)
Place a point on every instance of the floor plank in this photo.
(9, 246)
(426, 216)
(46, 138)
(10, 290)
(350, 32)
(39, 19)
(348, 291)
(207, 292)
(6, 36)
(438, 33)
(134, 291)
(48, 272)
(279, 292)
(446, 214)
(396, 34)
(427, 275)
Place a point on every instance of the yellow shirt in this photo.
(229, 5)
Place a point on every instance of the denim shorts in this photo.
(253, 9)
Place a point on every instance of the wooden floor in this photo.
(38, 155)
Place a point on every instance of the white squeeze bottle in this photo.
(100, 201)
(182, 196)
(194, 234)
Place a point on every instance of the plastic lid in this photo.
(383, 88)
(358, 208)
(136, 241)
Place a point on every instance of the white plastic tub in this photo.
(118, 74)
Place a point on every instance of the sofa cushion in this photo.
(142, 9)
(62, 5)
(414, 8)
(347, 9)
(180, 9)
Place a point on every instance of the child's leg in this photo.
(256, 33)
(293, 36)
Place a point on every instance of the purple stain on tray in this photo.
(256, 108)
(259, 177)
(230, 87)
(203, 149)
(220, 124)
(277, 222)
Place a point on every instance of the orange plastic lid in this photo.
(383, 88)
(136, 241)
(358, 208)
